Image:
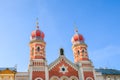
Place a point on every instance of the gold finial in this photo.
(37, 23)
(76, 28)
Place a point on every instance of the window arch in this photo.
(38, 78)
(54, 78)
(108, 78)
(64, 78)
(73, 78)
(89, 78)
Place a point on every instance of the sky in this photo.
(97, 20)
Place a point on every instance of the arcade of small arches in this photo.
(64, 78)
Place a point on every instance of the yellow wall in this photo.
(7, 75)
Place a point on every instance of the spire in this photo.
(76, 28)
(37, 23)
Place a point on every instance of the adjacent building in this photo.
(7, 73)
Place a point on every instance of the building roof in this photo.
(10, 68)
(108, 71)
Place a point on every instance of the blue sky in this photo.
(97, 20)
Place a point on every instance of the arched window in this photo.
(64, 78)
(54, 78)
(78, 52)
(83, 51)
(38, 49)
(108, 78)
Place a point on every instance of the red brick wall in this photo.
(88, 74)
(36, 74)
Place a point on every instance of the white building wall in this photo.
(21, 76)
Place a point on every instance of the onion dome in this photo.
(77, 38)
(37, 34)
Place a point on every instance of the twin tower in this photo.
(61, 68)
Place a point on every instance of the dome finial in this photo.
(76, 28)
(37, 23)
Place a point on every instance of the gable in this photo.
(62, 67)
(59, 59)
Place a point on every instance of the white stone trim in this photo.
(52, 65)
(94, 74)
(82, 74)
(38, 78)
(46, 71)
(38, 60)
(85, 62)
(87, 69)
(38, 68)
(30, 73)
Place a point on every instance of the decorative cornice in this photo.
(82, 44)
(37, 41)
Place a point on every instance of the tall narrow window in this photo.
(78, 52)
(38, 49)
(83, 51)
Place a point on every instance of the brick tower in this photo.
(79, 47)
(38, 66)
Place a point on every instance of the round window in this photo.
(63, 69)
